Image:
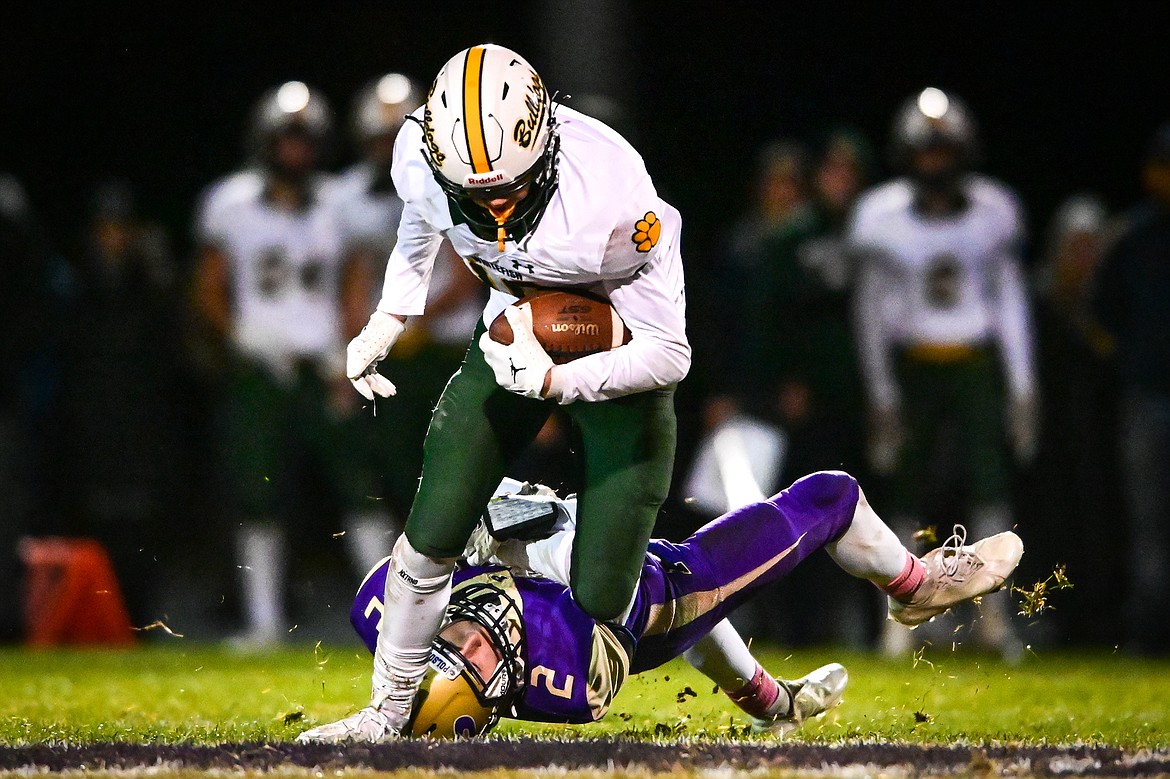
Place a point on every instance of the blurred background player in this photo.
(531, 194)
(784, 289)
(1133, 304)
(120, 446)
(368, 211)
(945, 333)
(762, 247)
(270, 283)
(1076, 475)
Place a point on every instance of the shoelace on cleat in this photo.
(953, 553)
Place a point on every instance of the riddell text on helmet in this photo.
(484, 179)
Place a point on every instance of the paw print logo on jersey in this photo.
(646, 232)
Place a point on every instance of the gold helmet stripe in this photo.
(472, 116)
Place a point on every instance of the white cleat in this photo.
(957, 573)
(368, 725)
(812, 695)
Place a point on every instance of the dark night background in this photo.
(1066, 95)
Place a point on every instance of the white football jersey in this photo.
(284, 267)
(365, 217)
(940, 281)
(605, 230)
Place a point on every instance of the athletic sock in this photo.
(418, 589)
(903, 586)
(763, 697)
(723, 657)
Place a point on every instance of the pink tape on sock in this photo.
(758, 696)
(905, 584)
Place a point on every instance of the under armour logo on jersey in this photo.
(646, 232)
(526, 265)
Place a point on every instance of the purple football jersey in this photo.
(574, 666)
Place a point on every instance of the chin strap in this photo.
(501, 216)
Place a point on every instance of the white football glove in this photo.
(522, 365)
(369, 725)
(369, 348)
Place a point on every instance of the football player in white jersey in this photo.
(368, 211)
(944, 328)
(532, 195)
(269, 284)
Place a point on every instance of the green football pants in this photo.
(965, 398)
(627, 453)
(267, 426)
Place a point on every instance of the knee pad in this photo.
(826, 490)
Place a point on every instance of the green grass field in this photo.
(181, 692)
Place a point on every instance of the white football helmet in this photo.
(380, 107)
(488, 133)
(934, 118)
(291, 107)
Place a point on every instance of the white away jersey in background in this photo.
(369, 220)
(940, 281)
(605, 230)
(285, 271)
(365, 218)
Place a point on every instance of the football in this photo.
(567, 324)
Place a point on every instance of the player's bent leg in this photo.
(774, 705)
(762, 542)
(719, 567)
(628, 446)
(418, 589)
(476, 430)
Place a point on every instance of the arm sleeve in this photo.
(408, 271)
(652, 303)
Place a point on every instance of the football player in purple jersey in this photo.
(515, 643)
